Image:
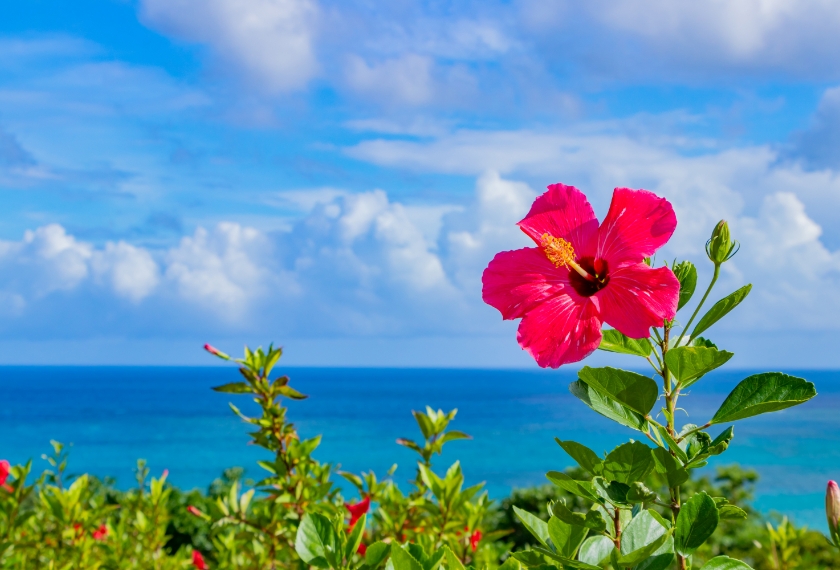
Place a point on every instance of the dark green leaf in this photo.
(580, 488)
(612, 491)
(687, 276)
(720, 309)
(607, 407)
(566, 537)
(595, 550)
(614, 341)
(725, 563)
(722, 441)
(762, 393)
(564, 561)
(528, 558)
(628, 463)
(702, 342)
(672, 444)
(639, 493)
(535, 525)
(631, 390)
(667, 465)
(689, 363)
(584, 456)
(731, 512)
(376, 554)
(234, 388)
(696, 522)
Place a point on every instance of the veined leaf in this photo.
(670, 467)
(584, 456)
(762, 393)
(686, 274)
(644, 536)
(720, 309)
(725, 563)
(535, 525)
(696, 522)
(689, 363)
(614, 341)
(595, 550)
(402, 559)
(631, 390)
(628, 463)
(566, 537)
(582, 489)
(607, 407)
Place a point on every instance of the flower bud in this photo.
(832, 511)
(195, 511)
(216, 352)
(720, 247)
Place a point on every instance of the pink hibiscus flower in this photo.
(581, 274)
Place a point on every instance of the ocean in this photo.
(170, 417)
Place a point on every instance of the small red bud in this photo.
(5, 468)
(100, 533)
(198, 560)
(475, 538)
(214, 352)
(194, 511)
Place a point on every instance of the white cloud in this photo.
(270, 40)
(131, 271)
(407, 79)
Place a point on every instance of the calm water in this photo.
(169, 416)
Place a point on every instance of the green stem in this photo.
(689, 432)
(703, 300)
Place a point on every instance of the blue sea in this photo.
(170, 417)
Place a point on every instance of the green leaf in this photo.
(608, 407)
(696, 522)
(642, 539)
(377, 553)
(612, 491)
(566, 537)
(762, 393)
(672, 444)
(725, 563)
(595, 550)
(667, 465)
(535, 525)
(453, 435)
(564, 561)
(290, 392)
(689, 363)
(584, 456)
(686, 274)
(510, 564)
(720, 309)
(354, 539)
(722, 441)
(591, 520)
(628, 463)
(528, 558)
(634, 391)
(639, 493)
(402, 560)
(580, 488)
(234, 388)
(614, 341)
(316, 539)
(702, 342)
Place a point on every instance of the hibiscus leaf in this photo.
(628, 463)
(595, 550)
(584, 456)
(614, 341)
(696, 522)
(762, 393)
(725, 563)
(686, 274)
(607, 406)
(642, 537)
(720, 309)
(689, 363)
(634, 391)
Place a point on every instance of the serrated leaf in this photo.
(614, 341)
(696, 522)
(607, 407)
(402, 560)
(628, 463)
(316, 538)
(631, 390)
(582, 455)
(762, 393)
(689, 363)
(720, 309)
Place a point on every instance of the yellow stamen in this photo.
(561, 252)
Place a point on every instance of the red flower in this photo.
(358, 509)
(194, 511)
(362, 548)
(215, 352)
(475, 538)
(100, 533)
(581, 275)
(5, 467)
(198, 561)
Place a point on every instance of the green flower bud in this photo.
(720, 247)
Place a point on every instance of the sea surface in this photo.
(170, 417)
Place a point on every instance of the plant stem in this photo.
(703, 300)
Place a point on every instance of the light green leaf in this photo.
(696, 522)
(672, 444)
(566, 537)
(667, 465)
(720, 309)
(584, 456)
(646, 537)
(689, 363)
(614, 341)
(510, 564)
(702, 342)
(354, 539)
(580, 488)
(595, 550)
(376, 554)
(628, 463)
(631, 390)
(402, 560)
(608, 407)
(234, 388)
(535, 525)
(725, 563)
(316, 538)
(762, 393)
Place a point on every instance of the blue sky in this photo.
(334, 176)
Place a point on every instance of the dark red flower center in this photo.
(599, 271)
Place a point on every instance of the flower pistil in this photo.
(560, 252)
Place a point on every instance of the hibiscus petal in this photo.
(638, 297)
(516, 281)
(563, 329)
(638, 223)
(563, 211)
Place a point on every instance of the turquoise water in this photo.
(170, 417)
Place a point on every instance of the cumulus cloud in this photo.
(270, 40)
